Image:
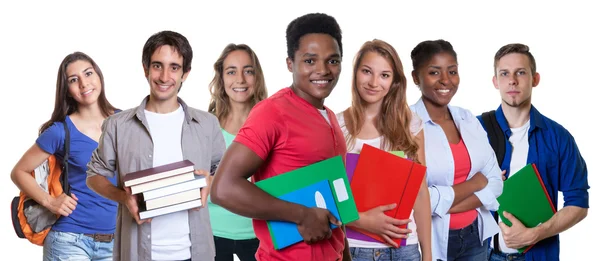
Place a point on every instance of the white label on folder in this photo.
(320, 200)
(340, 190)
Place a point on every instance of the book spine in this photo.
(543, 186)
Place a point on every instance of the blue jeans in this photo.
(72, 246)
(404, 253)
(464, 244)
(505, 257)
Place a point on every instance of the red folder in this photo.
(382, 178)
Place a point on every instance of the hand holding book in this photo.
(377, 222)
(517, 236)
(314, 225)
(204, 190)
(131, 202)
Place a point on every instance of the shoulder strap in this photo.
(64, 177)
(495, 135)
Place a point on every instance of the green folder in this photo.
(525, 197)
(398, 153)
(332, 169)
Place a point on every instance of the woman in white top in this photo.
(380, 116)
(462, 172)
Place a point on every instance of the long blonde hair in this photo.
(393, 121)
(219, 101)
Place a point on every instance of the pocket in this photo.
(64, 237)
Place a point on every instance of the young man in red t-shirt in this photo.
(287, 131)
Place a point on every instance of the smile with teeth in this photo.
(443, 91)
(240, 89)
(320, 81)
(163, 87)
(87, 92)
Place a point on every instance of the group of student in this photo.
(245, 137)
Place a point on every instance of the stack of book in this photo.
(166, 189)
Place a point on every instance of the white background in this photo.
(37, 35)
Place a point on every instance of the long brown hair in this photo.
(393, 121)
(219, 101)
(64, 104)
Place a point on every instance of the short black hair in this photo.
(425, 50)
(173, 39)
(310, 24)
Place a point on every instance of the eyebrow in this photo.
(440, 67)
(315, 55)
(73, 75)
(235, 67)
(160, 63)
(518, 69)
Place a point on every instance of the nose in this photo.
(373, 81)
(444, 78)
(512, 80)
(322, 68)
(164, 75)
(83, 81)
(241, 77)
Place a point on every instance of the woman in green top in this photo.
(237, 86)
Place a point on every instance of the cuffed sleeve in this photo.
(441, 198)
(104, 158)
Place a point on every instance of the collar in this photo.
(139, 111)
(536, 120)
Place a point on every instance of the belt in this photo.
(106, 238)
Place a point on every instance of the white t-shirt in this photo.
(324, 114)
(170, 232)
(520, 143)
(416, 125)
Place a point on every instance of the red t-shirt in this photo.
(288, 133)
(462, 167)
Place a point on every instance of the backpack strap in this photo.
(497, 141)
(64, 177)
(495, 135)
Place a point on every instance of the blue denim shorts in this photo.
(74, 246)
(403, 253)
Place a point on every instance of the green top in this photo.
(224, 223)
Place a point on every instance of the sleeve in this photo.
(572, 173)
(416, 124)
(441, 198)
(52, 140)
(218, 145)
(491, 170)
(263, 131)
(104, 158)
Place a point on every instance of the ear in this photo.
(495, 82)
(185, 75)
(414, 77)
(145, 71)
(536, 80)
(289, 63)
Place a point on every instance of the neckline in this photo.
(69, 121)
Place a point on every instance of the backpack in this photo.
(497, 141)
(30, 219)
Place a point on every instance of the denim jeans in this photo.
(505, 257)
(244, 249)
(403, 253)
(60, 246)
(464, 244)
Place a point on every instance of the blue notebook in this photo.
(319, 194)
